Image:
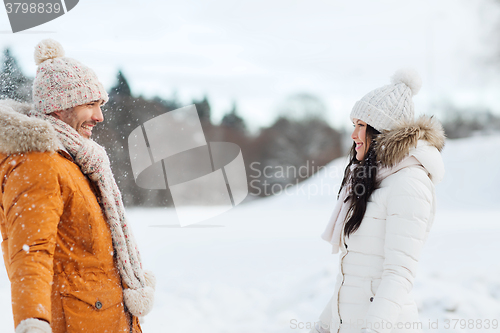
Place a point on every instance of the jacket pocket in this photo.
(367, 287)
(95, 311)
(370, 287)
(374, 284)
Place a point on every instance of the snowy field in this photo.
(262, 266)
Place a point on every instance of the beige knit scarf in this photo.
(94, 162)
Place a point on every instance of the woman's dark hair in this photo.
(362, 180)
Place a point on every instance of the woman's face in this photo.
(359, 137)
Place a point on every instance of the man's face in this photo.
(82, 117)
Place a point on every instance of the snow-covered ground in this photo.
(262, 266)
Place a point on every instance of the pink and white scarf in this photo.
(94, 162)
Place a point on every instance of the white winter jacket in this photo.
(379, 261)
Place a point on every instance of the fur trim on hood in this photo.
(394, 145)
(20, 133)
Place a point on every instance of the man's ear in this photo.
(56, 114)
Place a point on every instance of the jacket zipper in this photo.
(341, 272)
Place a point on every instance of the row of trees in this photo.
(288, 142)
(291, 141)
(462, 122)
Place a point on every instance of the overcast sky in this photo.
(259, 52)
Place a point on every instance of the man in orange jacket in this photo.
(70, 255)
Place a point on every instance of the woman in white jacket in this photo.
(384, 212)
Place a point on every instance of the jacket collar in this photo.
(422, 138)
(20, 133)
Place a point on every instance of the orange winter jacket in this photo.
(56, 243)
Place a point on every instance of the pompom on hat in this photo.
(62, 83)
(386, 107)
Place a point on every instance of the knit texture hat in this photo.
(62, 83)
(384, 108)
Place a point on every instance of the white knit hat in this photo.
(62, 83)
(385, 107)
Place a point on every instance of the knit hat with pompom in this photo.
(62, 83)
(386, 107)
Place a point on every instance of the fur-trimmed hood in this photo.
(422, 138)
(20, 133)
